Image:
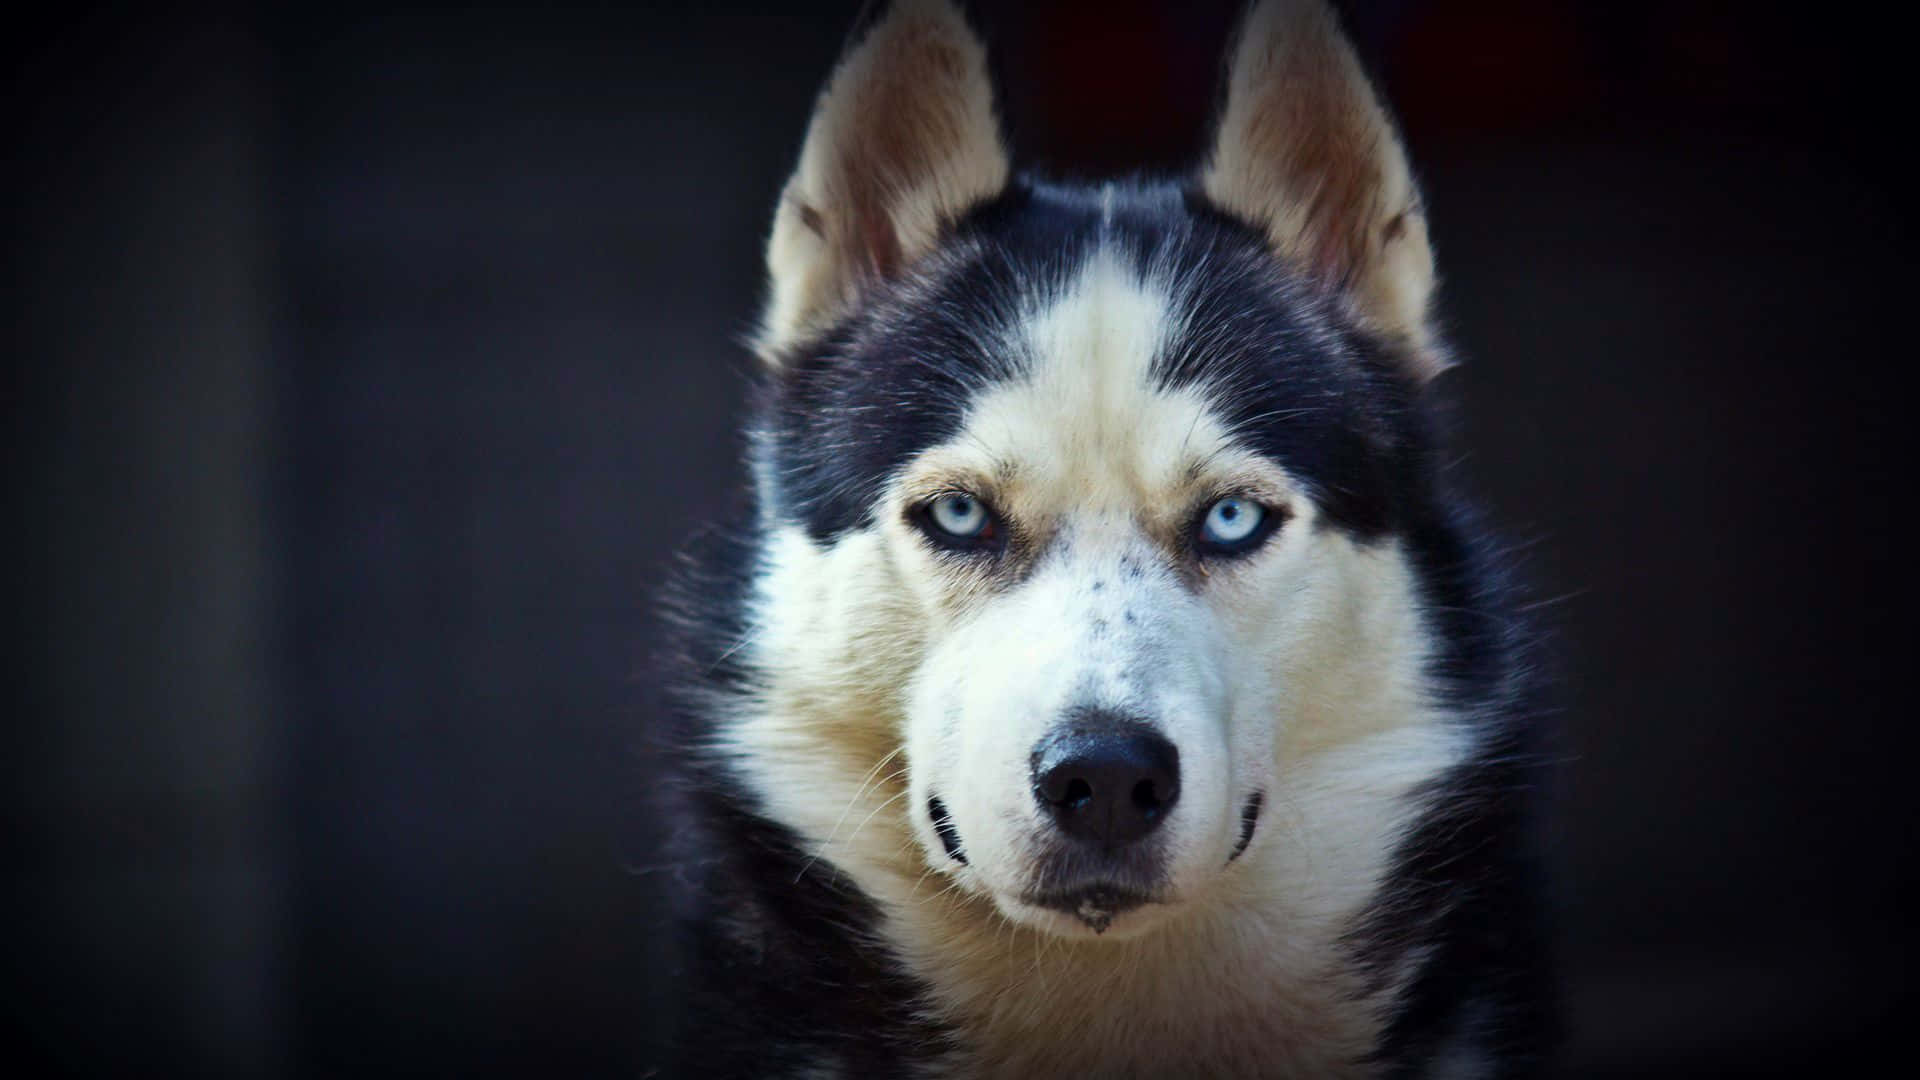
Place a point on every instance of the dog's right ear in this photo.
(903, 140)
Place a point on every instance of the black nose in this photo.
(1106, 780)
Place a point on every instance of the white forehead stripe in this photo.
(1087, 423)
(1098, 339)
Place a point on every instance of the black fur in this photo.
(775, 954)
(1468, 881)
(1299, 383)
(783, 965)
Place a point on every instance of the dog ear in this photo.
(1305, 152)
(903, 139)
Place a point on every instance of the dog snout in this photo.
(1106, 780)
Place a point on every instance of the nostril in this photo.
(1078, 794)
(1145, 797)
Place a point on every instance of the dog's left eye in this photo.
(1233, 524)
(959, 517)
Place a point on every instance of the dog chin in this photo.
(1105, 912)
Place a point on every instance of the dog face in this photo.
(1085, 501)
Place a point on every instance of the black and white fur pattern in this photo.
(872, 881)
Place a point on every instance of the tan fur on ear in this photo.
(902, 140)
(1305, 150)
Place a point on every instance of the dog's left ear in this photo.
(1305, 152)
(903, 140)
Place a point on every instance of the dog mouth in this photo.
(1094, 905)
(1097, 903)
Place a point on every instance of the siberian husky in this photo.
(1103, 679)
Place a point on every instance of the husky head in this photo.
(1086, 504)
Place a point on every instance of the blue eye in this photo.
(1233, 524)
(960, 516)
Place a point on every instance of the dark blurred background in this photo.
(368, 366)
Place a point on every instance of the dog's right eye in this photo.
(1234, 525)
(959, 519)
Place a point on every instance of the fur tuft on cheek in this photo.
(836, 639)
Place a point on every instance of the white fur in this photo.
(1078, 452)
(892, 673)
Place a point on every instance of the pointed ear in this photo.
(903, 140)
(1306, 153)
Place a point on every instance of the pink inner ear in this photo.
(1335, 164)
